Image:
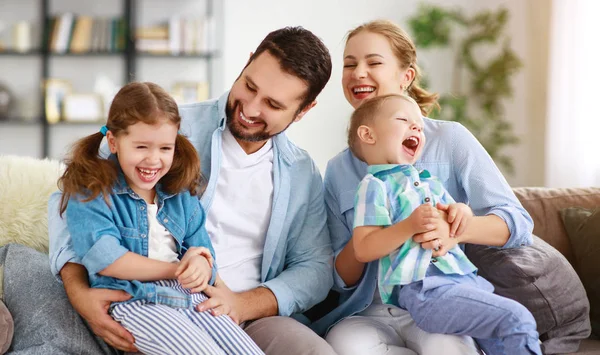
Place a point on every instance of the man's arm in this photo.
(92, 305)
(307, 276)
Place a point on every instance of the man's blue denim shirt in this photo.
(103, 232)
(297, 263)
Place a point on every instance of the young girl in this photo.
(137, 225)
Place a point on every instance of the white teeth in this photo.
(245, 119)
(148, 174)
(363, 89)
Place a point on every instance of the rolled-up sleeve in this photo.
(339, 232)
(60, 246)
(486, 188)
(307, 275)
(95, 237)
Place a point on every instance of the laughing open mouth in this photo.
(411, 144)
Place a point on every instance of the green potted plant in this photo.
(478, 86)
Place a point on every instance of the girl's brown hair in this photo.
(89, 175)
(406, 52)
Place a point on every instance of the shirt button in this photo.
(416, 183)
(433, 260)
(427, 199)
(143, 236)
(142, 208)
(166, 220)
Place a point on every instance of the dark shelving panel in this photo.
(128, 55)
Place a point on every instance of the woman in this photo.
(379, 59)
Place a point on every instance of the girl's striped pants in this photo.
(160, 329)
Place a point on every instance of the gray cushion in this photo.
(44, 321)
(583, 227)
(540, 278)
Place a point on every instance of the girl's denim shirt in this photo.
(103, 232)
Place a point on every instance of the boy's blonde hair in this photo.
(365, 115)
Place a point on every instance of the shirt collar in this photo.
(405, 169)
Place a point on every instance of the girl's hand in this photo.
(459, 216)
(194, 272)
(422, 219)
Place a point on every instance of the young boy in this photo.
(394, 202)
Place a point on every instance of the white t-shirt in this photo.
(239, 215)
(161, 244)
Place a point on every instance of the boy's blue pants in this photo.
(465, 305)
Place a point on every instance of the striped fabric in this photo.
(160, 329)
(387, 195)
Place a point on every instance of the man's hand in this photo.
(422, 219)
(222, 301)
(194, 271)
(459, 216)
(92, 304)
(438, 239)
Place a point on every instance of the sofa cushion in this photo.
(544, 205)
(541, 279)
(44, 321)
(583, 227)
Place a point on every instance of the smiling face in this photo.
(263, 102)
(145, 154)
(372, 69)
(395, 136)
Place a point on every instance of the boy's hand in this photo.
(459, 216)
(422, 218)
(194, 272)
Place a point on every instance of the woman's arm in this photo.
(502, 220)
(132, 266)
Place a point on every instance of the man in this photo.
(271, 243)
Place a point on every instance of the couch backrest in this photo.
(544, 205)
(25, 185)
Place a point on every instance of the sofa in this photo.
(26, 183)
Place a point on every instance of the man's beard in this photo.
(238, 132)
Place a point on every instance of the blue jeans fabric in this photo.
(465, 305)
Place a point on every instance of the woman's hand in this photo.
(459, 216)
(194, 271)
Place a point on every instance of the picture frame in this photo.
(55, 91)
(186, 92)
(83, 108)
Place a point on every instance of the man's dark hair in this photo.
(301, 54)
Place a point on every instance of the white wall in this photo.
(323, 130)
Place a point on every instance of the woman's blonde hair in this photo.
(406, 52)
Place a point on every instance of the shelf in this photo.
(87, 54)
(206, 55)
(20, 54)
(77, 123)
(14, 121)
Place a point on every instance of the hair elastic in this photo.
(103, 130)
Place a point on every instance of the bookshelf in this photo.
(127, 59)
